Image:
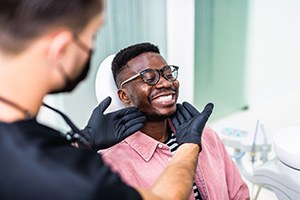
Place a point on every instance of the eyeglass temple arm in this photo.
(130, 79)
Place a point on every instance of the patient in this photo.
(145, 80)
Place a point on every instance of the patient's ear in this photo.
(123, 96)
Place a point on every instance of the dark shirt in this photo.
(36, 162)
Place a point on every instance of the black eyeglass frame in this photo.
(159, 72)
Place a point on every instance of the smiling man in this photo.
(145, 80)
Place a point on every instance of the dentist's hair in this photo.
(21, 21)
(125, 55)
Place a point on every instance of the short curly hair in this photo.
(128, 53)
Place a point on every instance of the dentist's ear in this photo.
(123, 97)
(58, 47)
(58, 56)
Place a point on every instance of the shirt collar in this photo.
(144, 145)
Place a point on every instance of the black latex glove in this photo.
(189, 122)
(105, 130)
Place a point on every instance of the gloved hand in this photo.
(189, 122)
(105, 130)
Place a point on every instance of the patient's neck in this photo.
(157, 130)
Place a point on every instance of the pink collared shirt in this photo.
(140, 159)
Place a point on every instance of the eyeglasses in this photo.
(151, 76)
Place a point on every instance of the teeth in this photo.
(164, 98)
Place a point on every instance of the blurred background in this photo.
(242, 55)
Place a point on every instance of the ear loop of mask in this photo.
(75, 134)
(65, 76)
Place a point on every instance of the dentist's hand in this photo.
(105, 130)
(189, 122)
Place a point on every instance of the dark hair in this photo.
(21, 21)
(128, 53)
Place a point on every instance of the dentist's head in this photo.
(45, 47)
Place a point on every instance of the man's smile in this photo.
(164, 98)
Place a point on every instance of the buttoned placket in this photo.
(165, 148)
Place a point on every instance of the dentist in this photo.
(45, 47)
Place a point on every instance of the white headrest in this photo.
(286, 146)
(105, 85)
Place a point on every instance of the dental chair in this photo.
(105, 85)
(282, 174)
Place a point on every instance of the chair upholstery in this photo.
(105, 85)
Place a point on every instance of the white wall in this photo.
(274, 48)
(180, 44)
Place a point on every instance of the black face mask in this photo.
(70, 84)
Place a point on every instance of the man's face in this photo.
(158, 101)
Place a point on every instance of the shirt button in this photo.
(160, 145)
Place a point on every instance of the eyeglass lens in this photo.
(152, 76)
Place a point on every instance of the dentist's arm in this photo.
(175, 183)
